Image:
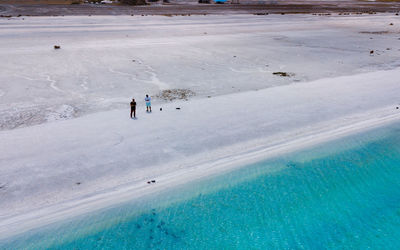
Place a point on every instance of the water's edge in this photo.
(136, 215)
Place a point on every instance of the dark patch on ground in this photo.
(284, 74)
(176, 94)
(200, 9)
(375, 32)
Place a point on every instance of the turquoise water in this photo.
(341, 195)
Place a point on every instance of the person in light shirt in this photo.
(148, 103)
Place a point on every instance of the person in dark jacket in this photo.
(133, 108)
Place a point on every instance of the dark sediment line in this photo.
(7, 10)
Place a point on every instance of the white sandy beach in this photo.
(112, 157)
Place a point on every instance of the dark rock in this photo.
(284, 74)
(371, 52)
(149, 182)
(160, 109)
(153, 181)
(178, 108)
(78, 183)
(391, 24)
(57, 47)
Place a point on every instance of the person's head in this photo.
(147, 95)
(133, 99)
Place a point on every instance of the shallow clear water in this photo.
(341, 195)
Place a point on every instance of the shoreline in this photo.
(213, 166)
(104, 158)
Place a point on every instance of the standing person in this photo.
(148, 103)
(133, 108)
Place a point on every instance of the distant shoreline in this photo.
(304, 7)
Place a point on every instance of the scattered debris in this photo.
(284, 74)
(152, 181)
(57, 47)
(173, 94)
